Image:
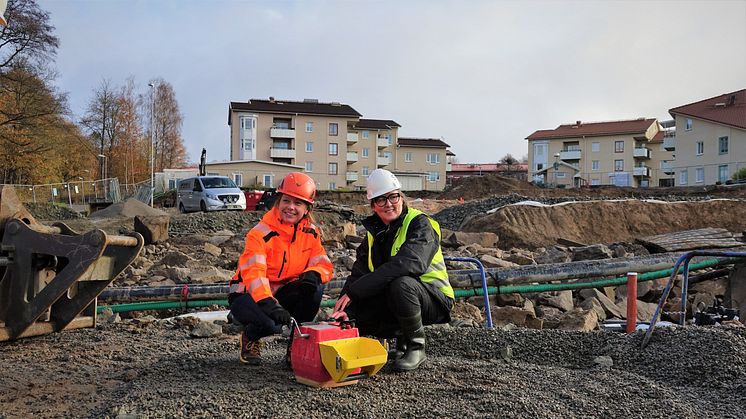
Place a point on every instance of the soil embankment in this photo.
(533, 225)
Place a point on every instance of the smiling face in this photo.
(292, 210)
(387, 210)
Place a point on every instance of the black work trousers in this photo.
(303, 307)
(404, 297)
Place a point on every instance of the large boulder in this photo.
(154, 228)
(456, 239)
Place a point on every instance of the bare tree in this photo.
(28, 35)
(508, 159)
(101, 121)
(166, 124)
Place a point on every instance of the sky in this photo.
(480, 75)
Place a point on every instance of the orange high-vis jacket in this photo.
(276, 253)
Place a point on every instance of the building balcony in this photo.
(281, 132)
(352, 157)
(641, 153)
(351, 176)
(669, 143)
(643, 171)
(382, 142)
(449, 167)
(383, 161)
(282, 153)
(352, 137)
(667, 168)
(570, 155)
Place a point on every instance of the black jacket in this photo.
(413, 258)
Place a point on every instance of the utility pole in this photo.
(152, 142)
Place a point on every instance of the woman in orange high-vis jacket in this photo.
(282, 270)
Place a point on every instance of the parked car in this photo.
(209, 193)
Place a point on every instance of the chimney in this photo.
(271, 99)
(732, 100)
(578, 123)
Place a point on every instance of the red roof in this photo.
(594, 129)
(726, 109)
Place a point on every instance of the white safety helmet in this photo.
(381, 182)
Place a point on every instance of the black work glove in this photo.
(274, 310)
(308, 282)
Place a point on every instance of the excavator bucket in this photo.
(50, 276)
(343, 357)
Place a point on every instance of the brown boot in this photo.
(251, 351)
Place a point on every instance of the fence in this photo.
(71, 193)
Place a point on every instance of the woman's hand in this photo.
(339, 308)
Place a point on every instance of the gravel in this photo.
(158, 371)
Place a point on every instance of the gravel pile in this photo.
(155, 371)
(201, 223)
(51, 212)
(453, 217)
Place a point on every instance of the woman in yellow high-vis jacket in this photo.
(399, 281)
(282, 270)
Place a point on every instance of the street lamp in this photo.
(103, 173)
(556, 167)
(152, 142)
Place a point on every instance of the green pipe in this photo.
(507, 289)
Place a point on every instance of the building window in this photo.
(683, 177)
(309, 146)
(366, 171)
(387, 137)
(366, 134)
(309, 126)
(267, 181)
(619, 165)
(433, 176)
(595, 147)
(333, 129)
(595, 182)
(365, 152)
(332, 168)
(309, 166)
(333, 149)
(560, 174)
(408, 156)
(723, 173)
(689, 124)
(433, 158)
(619, 146)
(595, 165)
(700, 175)
(332, 186)
(238, 178)
(700, 148)
(171, 184)
(723, 145)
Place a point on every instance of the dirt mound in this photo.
(535, 225)
(51, 212)
(129, 208)
(482, 186)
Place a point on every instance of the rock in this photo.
(553, 255)
(159, 281)
(514, 299)
(593, 304)
(603, 361)
(512, 315)
(154, 228)
(713, 287)
(560, 299)
(455, 239)
(609, 306)
(206, 330)
(220, 237)
(337, 234)
(466, 311)
(493, 262)
(546, 312)
(211, 275)
(579, 319)
(593, 252)
(211, 249)
(519, 258)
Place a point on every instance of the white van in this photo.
(209, 193)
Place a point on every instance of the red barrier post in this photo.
(631, 302)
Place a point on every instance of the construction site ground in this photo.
(148, 365)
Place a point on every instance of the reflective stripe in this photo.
(262, 228)
(253, 260)
(318, 259)
(258, 283)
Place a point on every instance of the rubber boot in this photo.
(413, 336)
(399, 349)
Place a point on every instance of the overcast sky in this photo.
(481, 75)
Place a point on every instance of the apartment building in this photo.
(621, 153)
(709, 140)
(330, 142)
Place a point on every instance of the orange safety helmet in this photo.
(298, 185)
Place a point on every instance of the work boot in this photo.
(413, 337)
(399, 349)
(251, 350)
